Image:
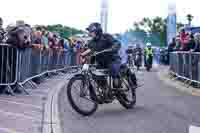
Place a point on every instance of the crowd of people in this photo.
(22, 35)
(185, 41)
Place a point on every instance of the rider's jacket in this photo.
(148, 52)
(129, 51)
(102, 42)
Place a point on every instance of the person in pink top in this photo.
(182, 38)
(185, 40)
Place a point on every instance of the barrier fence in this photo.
(186, 65)
(8, 65)
(18, 66)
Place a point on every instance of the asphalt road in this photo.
(24, 113)
(160, 109)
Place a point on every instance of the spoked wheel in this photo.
(127, 95)
(79, 96)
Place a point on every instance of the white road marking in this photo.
(194, 129)
(23, 104)
(8, 130)
(21, 115)
(34, 95)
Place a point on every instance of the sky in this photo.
(79, 13)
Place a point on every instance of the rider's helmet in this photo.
(95, 27)
(148, 45)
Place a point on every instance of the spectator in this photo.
(78, 44)
(78, 47)
(178, 43)
(66, 44)
(72, 51)
(2, 32)
(51, 41)
(182, 37)
(45, 39)
(197, 43)
(189, 42)
(172, 45)
(61, 43)
(56, 42)
(192, 41)
(19, 36)
(37, 37)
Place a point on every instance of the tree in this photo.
(156, 27)
(189, 18)
(64, 31)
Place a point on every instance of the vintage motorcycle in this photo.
(90, 93)
(138, 60)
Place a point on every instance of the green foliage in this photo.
(156, 27)
(189, 18)
(63, 31)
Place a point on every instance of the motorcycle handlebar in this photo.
(101, 52)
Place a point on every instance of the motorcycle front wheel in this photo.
(79, 96)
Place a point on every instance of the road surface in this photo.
(160, 109)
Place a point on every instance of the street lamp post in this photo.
(104, 14)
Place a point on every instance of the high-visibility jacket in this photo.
(148, 52)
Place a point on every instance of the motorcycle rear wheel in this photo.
(122, 95)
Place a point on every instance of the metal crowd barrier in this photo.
(8, 66)
(186, 65)
(19, 66)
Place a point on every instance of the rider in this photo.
(129, 50)
(130, 53)
(148, 52)
(110, 59)
(138, 50)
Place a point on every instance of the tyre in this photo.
(86, 97)
(128, 89)
(148, 68)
